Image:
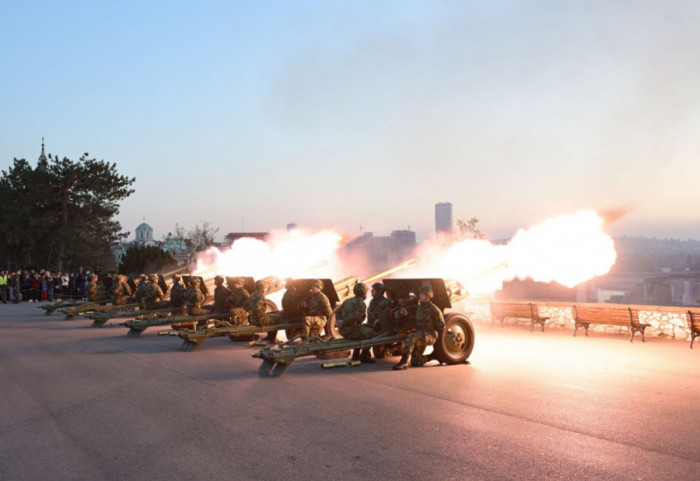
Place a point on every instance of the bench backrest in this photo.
(617, 316)
(511, 309)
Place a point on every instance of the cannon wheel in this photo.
(456, 341)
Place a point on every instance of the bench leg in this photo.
(575, 329)
(692, 339)
(532, 325)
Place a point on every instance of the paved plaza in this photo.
(80, 403)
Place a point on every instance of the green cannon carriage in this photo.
(336, 293)
(146, 317)
(453, 346)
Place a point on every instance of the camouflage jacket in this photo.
(141, 291)
(376, 306)
(290, 303)
(121, 290)
(239, 296)
(177, 295)
(222, 299)
(320, 306)
(352, 312)
(429, 318)
(153, 293)
(257, 307)
(93, 291)
(193, 297)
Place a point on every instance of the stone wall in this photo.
(666, 321)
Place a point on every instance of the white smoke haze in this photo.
(295, 253)
(568, 249)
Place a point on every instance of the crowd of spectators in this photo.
(40, 286)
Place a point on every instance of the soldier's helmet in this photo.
(317, 283)
(427, 290)
(379, 287)
(176, 278)
(360, 289)
(261, 285)
(218, 280)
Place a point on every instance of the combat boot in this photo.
(355, 354)
(366, 357)
(432, 357)
(403, 363)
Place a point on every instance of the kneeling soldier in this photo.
(319, 310)
(429, 322)
(194, 298)
(351, 315)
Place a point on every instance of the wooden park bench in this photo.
(609, 315)
(517, 310)
(693, 325)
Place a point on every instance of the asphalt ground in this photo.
(80, 403)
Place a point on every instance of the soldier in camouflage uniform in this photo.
(239, 298)
(121, 291)
(141, 289)
(239, 295)
(319, 310)
(379, 311)
(257, 306)
(194, 298)
(429, 322)
(93, 289)
(177, 293)
(350, 316)
(153, 293)
(290, 302)
(222, 296)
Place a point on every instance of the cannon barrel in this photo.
(388, 272)
(344, 287)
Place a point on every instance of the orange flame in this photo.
(285, 254)
(568, 249)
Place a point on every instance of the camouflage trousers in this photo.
(196, 311)
(120, 300)
(357, 333)
(313, 325)
(239, 316)
(415, 345)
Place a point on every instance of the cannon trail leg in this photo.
(134, 332)
(265, 368)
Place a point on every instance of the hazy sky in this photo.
(366, 113)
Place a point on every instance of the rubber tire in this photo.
(445, 348)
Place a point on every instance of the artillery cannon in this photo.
(453, 346)
(101, 317)
(336, 293)
(186, 323)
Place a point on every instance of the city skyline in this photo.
(361, 116)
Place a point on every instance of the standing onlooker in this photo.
(35, 289)
(26, 286)
(16, 284)
(3, 286)
(56, 280)
(65, 289)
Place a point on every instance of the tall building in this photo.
(443, 218)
